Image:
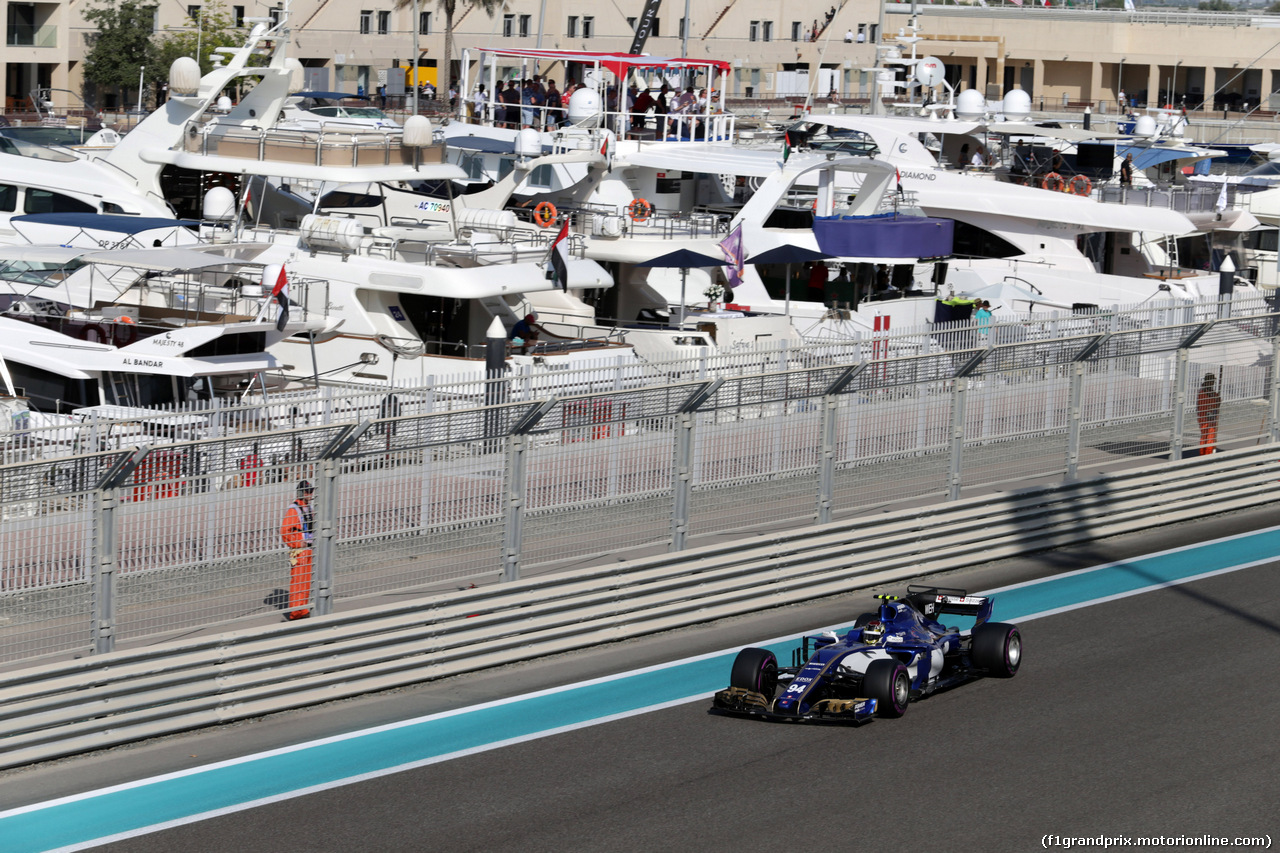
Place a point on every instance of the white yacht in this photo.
(131, 328)
(403, 291)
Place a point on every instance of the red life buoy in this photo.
(1052, 181)
(639, 210)
(544, 215)
(1087, 185)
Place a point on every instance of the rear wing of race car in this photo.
(933, 601)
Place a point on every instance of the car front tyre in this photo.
(755, 670)
(997, 648)
(889, 683)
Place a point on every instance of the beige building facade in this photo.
(1059, 55)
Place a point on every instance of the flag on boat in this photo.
(732, 248)
(1016, 2)
(558, 256)
(1129, 7)
(1221, 204)
(280, 293)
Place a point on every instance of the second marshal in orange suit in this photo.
(297, 529)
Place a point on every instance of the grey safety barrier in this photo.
(68, 708)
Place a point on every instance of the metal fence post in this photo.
(1273, 414)
(955, 469)
(513, 522)
(516, 487)
(1075, 415)
(682, 479)
(106, 551)
(104, 568)
(1179, 404)
(827, 461)
(682, 470)
(325, 520)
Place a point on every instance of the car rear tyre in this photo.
(864, 619)
(889, 683)
(756, 670)
(997, 648)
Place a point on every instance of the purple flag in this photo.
(732, 248)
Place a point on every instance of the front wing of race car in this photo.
(748, 703)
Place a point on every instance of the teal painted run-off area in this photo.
(179, 797)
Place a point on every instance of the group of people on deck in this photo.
(538, 104)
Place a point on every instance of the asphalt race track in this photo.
(1149, 715)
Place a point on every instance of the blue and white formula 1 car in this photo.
(900, 653)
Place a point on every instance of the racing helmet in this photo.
(873, 632)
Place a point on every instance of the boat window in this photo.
(42, 273)
(327, 112)
(8, 197)
(541, 176)
(44, 201)
(342, 198)
(505, 165)
(363, 112)
(1262, 240)
(974, 242)
(49, 392)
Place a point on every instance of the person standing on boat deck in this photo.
(1123, 101)
(1208, 405)
(555, 113)
(477, 104)
(298, 532)
(983, 316)
(1126, 171)
(511, 97)
(848, 36)
(979, 159)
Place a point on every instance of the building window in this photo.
(274, 14)
(684, 22)
(424, 23)
(753, 31)
(366, 22)
(193, 12)
(508, 26)
(155, 19)
(384, 23)
(524, 26)
(588, 26)
(766, 30)
(796, 30)
(237, 15)
(571, 29)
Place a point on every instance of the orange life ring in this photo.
(544, 215)
(124, 318)
(639, 210)
(1055, 179)
(1088, 185)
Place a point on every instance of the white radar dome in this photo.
(1016, 104)
(418, 132)
(528, 143)
(584, 108)
(930, 71)
(184, 76)
(1144, 126)
(219, 205)
(970, 104)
